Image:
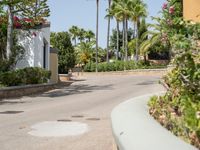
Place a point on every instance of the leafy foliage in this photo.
(119, 66)
(17, 53)
(113, 40)
(66, 53)
(85, 52)
(24, 76)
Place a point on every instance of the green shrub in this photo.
(89, 67)
(32, 75)
(11, 78)
(120, 66)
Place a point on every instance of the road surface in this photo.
(89, 100)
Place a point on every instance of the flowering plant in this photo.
(27, 23)
(179, 109)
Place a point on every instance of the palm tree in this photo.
(74, 33)
(97, 34)
(89, 35)
(122, 11)
(154, 36)
(112, 14)
(108, 33)
(137, 9)
(81, 34)
(84, 52)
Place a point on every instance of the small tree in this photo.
(66, 54)
(35, 9)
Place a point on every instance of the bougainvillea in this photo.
(27, 23)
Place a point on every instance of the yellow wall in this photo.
(191, 10)
(54, 67)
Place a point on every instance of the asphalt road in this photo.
(90, 97)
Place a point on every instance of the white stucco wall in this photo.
(33, 42)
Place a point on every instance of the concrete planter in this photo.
(134, 129)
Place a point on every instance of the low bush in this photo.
(32, 75)
(120, 66)
(179, 109)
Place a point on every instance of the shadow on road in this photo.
(76, 89)
(147, 83)
(10, 102)
(60, 91)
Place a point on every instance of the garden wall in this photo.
(18, 91)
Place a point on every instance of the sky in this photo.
(82, 13)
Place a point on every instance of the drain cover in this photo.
(11, 112)
(64, 120)
(58, 129)
(93, 119)
(77, 116)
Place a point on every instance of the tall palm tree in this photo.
(97, 33)
(108, 33)
(137, 9)
(122, 11)
(74, 33)
(112, 13)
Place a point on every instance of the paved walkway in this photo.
(89, 101)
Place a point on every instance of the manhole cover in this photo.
(77, 116)
(93, 119)
(64, 120)
(11, 112)
(58, 129)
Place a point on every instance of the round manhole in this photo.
(58, 129)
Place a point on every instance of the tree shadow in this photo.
(2, 102)
(75, 89)
(11, 112)
(147, 83)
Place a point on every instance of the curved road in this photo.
(90, 97)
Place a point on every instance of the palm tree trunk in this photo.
(97, 33)
(75, 41)
(108, 34)
(9, 33)
(126, 39)
(134, 30)
(137, 40)
(123, 37)
(117, 40)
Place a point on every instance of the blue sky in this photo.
(82, 13)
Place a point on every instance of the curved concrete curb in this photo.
(134, 129)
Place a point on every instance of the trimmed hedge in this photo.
(120, 66)
(32, 75)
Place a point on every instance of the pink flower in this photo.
(171, 9)
(17, 25)
(16, 18)
(164, 6)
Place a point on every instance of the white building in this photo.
(37, 47)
